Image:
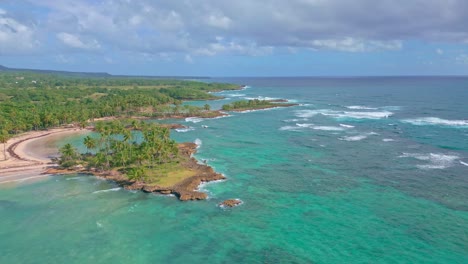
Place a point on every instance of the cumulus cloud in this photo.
(212, 27)
(16, 37)
(74, 41)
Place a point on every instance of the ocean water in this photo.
(363, 170)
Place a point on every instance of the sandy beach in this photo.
(29, 154)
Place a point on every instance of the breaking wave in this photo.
(108, 190)
(360, 107)
(183, 130)
(435, 121)
(198, 142)
(193, 119)
(357, 137)
(435, 161)
(343, 114)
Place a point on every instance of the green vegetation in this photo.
(116, 149)
(32, 101)
(254, 104)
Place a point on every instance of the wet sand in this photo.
(29, 155)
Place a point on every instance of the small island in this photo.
(138, 156)
(256, 104)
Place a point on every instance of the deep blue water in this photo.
(363, 170)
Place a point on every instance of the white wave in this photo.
(363, 115)
(108, 190)
(353, 138)
(193, 119)
(245, 87)
(295, 120)
(347, 126)
(436, 121)
(202, 187)
(360, 107)
(304, 125)
(343, 114)
(357, 137)
(387, 140)
(198, 142)
(463, 163)
(235, 95)
(290, 128)
(183, 130)
(327, 128)
(436, 161)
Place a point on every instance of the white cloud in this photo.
(439, 51)
(252, 28)
(74, 41)
(355, 45)
(16, 37)
(462, 59)
(222, 22)
(188, 59)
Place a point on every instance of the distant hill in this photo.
(94, 74)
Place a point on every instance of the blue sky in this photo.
(237, 38)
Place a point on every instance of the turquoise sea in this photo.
(363, 170)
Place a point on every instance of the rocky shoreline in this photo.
(184, 190)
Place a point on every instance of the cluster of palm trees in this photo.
(132, 148)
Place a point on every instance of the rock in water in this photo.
(231, 203)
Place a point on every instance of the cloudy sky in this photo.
(237, 38)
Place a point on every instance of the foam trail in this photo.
(108, 190)
(436, 161)
(435, 121)
(463, 163)
(357, 137)
(183, 130)
(328, 128)
(387, 140)
(353, 138)
(235, 95)
(347, 126)
(343, 114)
(360, 107)
(193, 119)
(290, 128)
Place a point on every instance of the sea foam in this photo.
(183, 130)
(435, 121)
(198, 142)
(357, 137)
(436, 161)
(343, 114)
(360, 107)
(193, 119)
(108, 190)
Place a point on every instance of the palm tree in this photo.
(90, 143)
(4, 136)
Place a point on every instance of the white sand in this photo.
(34, 150)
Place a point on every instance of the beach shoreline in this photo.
(27, 154)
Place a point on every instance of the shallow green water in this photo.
(314, 191)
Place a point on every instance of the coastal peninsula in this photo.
(140, 156)
(256, 104)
